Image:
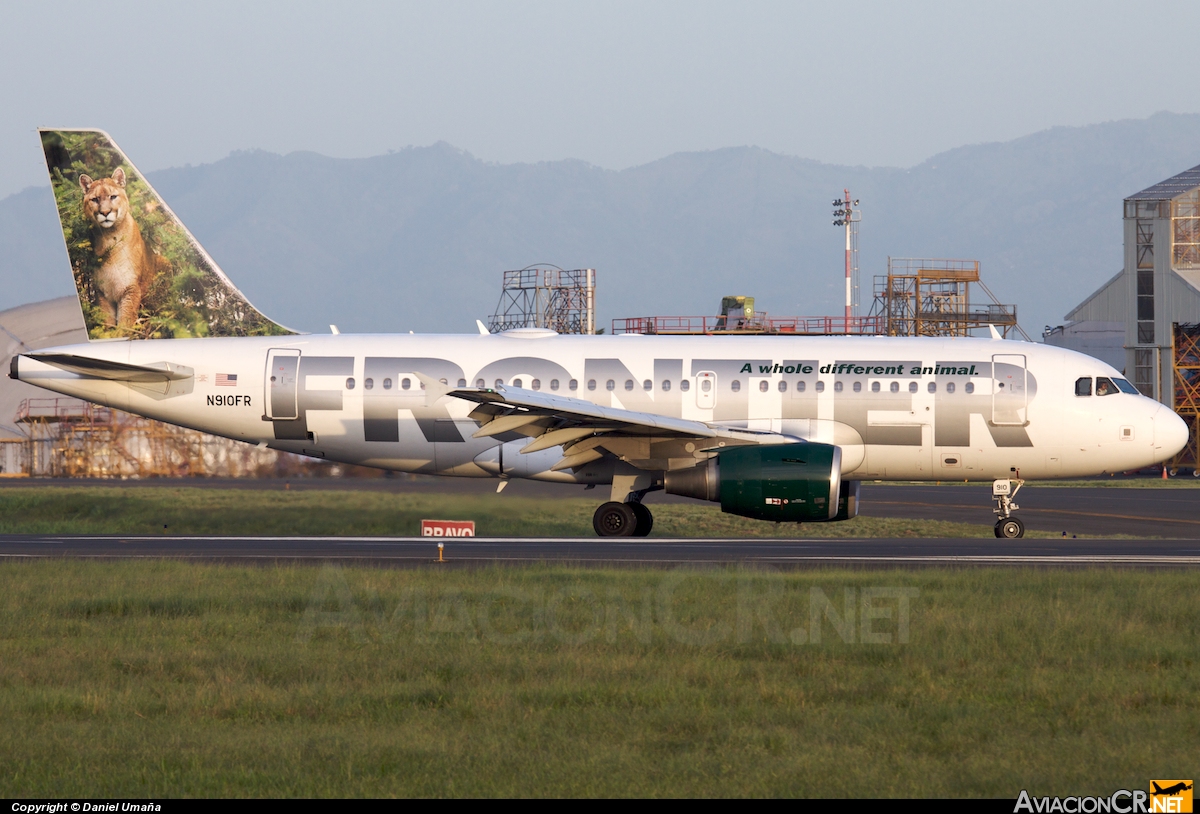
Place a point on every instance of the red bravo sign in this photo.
(447, 528)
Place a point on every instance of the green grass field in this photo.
(158, 678)
(191, 510)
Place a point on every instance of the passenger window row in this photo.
(1083, 387)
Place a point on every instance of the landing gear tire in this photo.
(645, 520)
(614, 519)
(1010, 529)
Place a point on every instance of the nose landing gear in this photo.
(1003, 492)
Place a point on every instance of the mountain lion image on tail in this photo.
(139, 272)
(127, 266)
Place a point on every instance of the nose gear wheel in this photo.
(1010, 529)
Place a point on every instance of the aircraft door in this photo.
(1010, 390)
(706, 389)
(282, 382)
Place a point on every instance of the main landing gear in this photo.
(614, 519)
(624, 515)
(1003, 492)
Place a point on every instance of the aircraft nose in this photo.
(1170, 433)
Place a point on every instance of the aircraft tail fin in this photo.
(139, 272)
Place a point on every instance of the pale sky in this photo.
(616, 84)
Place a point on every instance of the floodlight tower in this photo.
(847, 214)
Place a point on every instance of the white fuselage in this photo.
(900, 408)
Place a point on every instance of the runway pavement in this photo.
(412, 551)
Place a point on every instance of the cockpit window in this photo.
(1083, 387)
(1105, 387)
(1125, 387)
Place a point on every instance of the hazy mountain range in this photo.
(416, 239)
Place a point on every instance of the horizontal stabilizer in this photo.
(114, 371)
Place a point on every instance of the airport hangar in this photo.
(1145, 321)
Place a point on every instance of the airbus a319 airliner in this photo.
(774, 428)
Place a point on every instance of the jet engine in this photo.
(784, 482)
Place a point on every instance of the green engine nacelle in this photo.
(786, 483)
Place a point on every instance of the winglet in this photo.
(434, 389)
(995, 334)
(483, 331)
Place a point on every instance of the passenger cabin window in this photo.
(837, 387)
(685, 385)
(874, 387)
(801, 385)
(629, 384)
(573, 385)
(1105, 387)
(858, 387)
(349, 384)
(647, 385)
(912, 387)
(894, 387)
(554, 384)
(1083, 387)
(610, 385)
(518, 383)
(591, 384)
(387, 384)
(706, 385)
(949, 387)
(932, 388)
(735, 385)
(666, 385)
(820, 386)
(368, 384)
(405, 384)
(536, 384)
(480, 383)
(970, 387)
(782, 386)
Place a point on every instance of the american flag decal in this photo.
(226, 380)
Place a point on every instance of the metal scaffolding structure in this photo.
(932, 297)
(544, 296)
(760, 323)
(70, 438)
(1185, 356)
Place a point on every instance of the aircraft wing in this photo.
(586, 430)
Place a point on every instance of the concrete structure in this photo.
(1128, 321)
